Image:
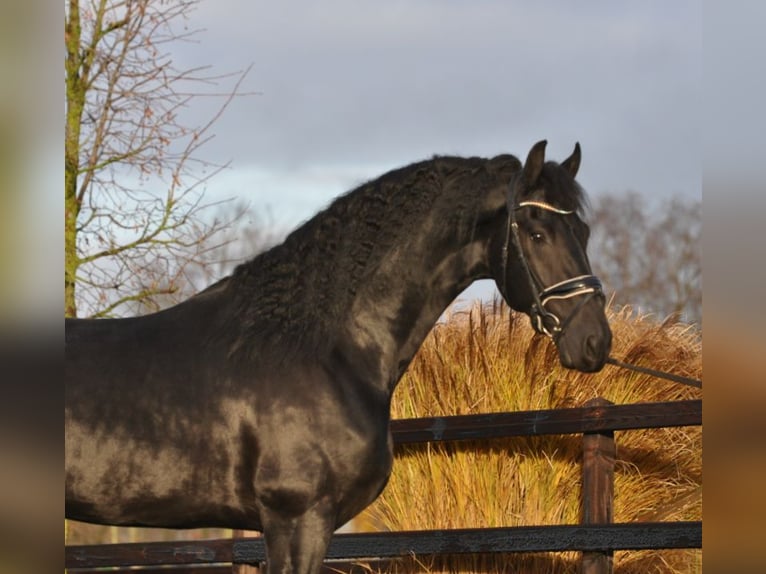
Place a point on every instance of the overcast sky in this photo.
(352, 88)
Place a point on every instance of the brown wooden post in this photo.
(598, 454)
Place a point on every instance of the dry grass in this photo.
(488, 360)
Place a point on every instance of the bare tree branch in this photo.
(133, 174)
(650, 256)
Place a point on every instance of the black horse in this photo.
(262, 403)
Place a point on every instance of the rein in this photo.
(654, 372)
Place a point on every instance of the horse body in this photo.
(262, 403)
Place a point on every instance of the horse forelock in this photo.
(561, 190)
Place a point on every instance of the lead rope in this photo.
(654, 372)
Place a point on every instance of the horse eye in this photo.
(536, 236)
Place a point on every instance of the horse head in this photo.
(545, 271)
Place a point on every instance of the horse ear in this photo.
(572, 163)
(534, 164)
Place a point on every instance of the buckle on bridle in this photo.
(538, 316)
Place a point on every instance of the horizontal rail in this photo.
(374, 545)
(554, 421)
(171, 569)
(330, 567)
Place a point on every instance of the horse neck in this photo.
(365, 280)
(414, 283)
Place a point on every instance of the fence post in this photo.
(598, 454)
(242, 568)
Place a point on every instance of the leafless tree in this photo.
(133, 175)
(650, 256)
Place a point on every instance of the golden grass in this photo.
(489, 360)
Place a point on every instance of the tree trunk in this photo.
(75, 101)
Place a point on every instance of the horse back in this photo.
(136, 418)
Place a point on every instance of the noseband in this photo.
(544, 321)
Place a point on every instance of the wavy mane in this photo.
(293, 291)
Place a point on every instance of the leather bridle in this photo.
(587, 286)
(584, 286)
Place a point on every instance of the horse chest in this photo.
(315, 451)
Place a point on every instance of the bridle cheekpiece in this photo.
(543, 320)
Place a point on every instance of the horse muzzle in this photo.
(583, 338)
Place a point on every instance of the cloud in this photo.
(353, 85)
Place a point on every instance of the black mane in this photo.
(295, 290)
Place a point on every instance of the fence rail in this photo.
(595, 418)
(624, 536)
(597, 421)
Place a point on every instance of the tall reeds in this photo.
(488, 360)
